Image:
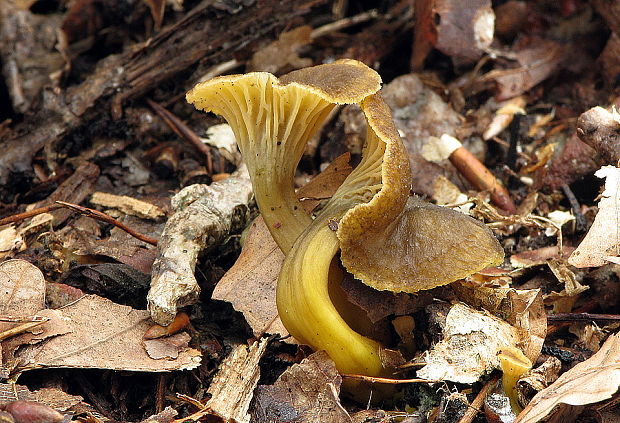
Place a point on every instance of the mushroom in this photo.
(386, 239)
(514, 364)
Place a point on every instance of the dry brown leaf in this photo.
(589, 382)
(304, 393)
(250, 285)
(57, 399)
(465, 29)
(22, 290)
(538, 257)
(283, 52)
(471, 341)
(380, 304)
(537, 61)
(602, 242)
(168, 347)
(105, 336)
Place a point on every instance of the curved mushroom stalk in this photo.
(303, 297)
(308, 312)
(273, 120)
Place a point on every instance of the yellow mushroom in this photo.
(514, 364)
(386, 239)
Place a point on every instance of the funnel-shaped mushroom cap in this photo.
(397, 243)
(273, 119)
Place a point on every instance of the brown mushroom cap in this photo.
(392, 243)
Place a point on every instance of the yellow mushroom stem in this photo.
(514, 364)
(308, 312)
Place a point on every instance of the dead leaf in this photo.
(465, 29)
(168, 347)
(538, 257)
(105, 336)
(57, 399)
(305, 393)
(471, 341)
(283, 52)
(602, 242)
(22, 290)
(250, 285)
(537, 61)
(380, 304)
(589, 382)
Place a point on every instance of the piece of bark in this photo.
(600, 129)
(233, 386)
(75, 189)
(27, 53)
(204, 215)
(207, 34)
(128, 205)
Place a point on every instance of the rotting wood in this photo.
(232, 388)
(204, 216)
(206, 34)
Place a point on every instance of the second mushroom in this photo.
(385, 238)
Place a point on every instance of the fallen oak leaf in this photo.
(589, 382)
(105, 335)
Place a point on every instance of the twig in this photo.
(22, 328)
(26, 215)
(373, 379)
(344, 23)
(580, 317)
(183, 131)
(475, 406)
(580, 219)
(95, 214)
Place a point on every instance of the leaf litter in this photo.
(500, 88)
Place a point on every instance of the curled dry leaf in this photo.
(589, 382)
(537, 61)
(602, 242)
(283, 52)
